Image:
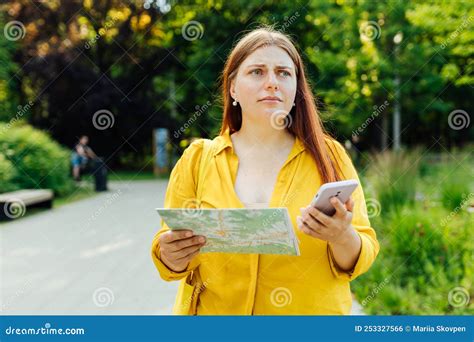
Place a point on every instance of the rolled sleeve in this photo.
(367, 255)
(360, 221)
(165, 272)
(180, 191)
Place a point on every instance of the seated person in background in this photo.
(81, 155)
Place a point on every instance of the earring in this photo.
(294, 104)
(234, 103)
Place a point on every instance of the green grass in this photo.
(126, 175)
(86, 190)
(134, 175)
(394, 178)
(425, 261)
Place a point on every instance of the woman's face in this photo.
(267, 72)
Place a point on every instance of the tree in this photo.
(157, 64)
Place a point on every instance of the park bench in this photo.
(13, 204)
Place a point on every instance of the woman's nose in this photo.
(272, 81)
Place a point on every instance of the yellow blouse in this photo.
(245, 284)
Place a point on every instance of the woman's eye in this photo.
(285, 73)
(256, 72)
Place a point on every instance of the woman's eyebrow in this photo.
(264, 66)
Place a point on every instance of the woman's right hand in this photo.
(179, 247)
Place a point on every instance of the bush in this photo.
(7, 173)
(38, 161)
(9, 98)
(425, 256)
(137, 161)
(449, 180)
(453, 193)
(417, 241)
(394, 176)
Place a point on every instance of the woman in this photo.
(271, 152)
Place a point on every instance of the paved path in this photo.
(91, 257)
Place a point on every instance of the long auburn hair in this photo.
(305, 121)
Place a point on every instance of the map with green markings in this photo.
(240, 230)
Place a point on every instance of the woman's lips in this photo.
(270, 101)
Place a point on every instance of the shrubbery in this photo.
(394, 177)
(7, 173)
(425, 261)
(30, 159)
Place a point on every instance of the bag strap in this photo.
(207, 152)
(206, 155)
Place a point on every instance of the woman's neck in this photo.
(267, 136)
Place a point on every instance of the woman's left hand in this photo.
(336, 229)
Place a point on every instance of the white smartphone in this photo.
(342, 190)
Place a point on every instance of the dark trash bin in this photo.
(99, 171)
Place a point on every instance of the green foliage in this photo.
(426, 252)
(454, 37)
(423, 258)
(134, 161)
(8, 97)
(453, 193)
(417, 242)
(453, 176)
(7, 174)
(37, 161)
(394, 177)
(168, 76)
